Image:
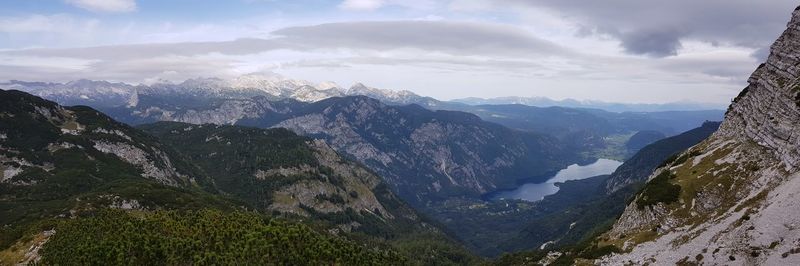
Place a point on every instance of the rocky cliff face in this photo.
(732, 198)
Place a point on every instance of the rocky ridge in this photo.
(272, 86)
(736, 202)
(73, 129)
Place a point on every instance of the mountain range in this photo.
(396, 177)
(74, 162)
(423, 152)
(439, 157)
(272, 86)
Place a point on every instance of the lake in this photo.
(535, 192)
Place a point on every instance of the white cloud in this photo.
(361, 4)
(36, 23)
(56, 30)
(370, 5)
(111, 6)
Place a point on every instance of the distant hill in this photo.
(640, 166)
(642, 139)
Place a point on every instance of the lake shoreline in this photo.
(533, 191)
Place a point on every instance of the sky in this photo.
(634, 51)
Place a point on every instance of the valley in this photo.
(447, 165)
(390, 140)
(371, 132)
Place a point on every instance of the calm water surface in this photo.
(534, 191)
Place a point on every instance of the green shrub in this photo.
(595, 252)
(669, 160)
(659, 190)
(206, 237)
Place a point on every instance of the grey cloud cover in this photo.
(657, 27)
(443, 36)
(459, 38)
(444, 55)
(134, 51)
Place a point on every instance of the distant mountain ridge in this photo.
(272, 86)
(608, 106)
(277, 87)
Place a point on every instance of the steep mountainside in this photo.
(275, 170)
(44, 145)
(73, 162)
(424, 154)
(62, 161)
(640, 166)
(731, 199)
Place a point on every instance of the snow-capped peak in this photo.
(389, 96)
(327, 85)
(249, 85)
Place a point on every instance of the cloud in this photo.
(747, 23)
(134, 51)
(457, 38)
(438, 44)
(371, 5)
(438, 58)
(110, 6)
(124, 70)
(657, 43)
(361, 4)
(463, 38)
(58, 23)
(761, 54)
(55, 30)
